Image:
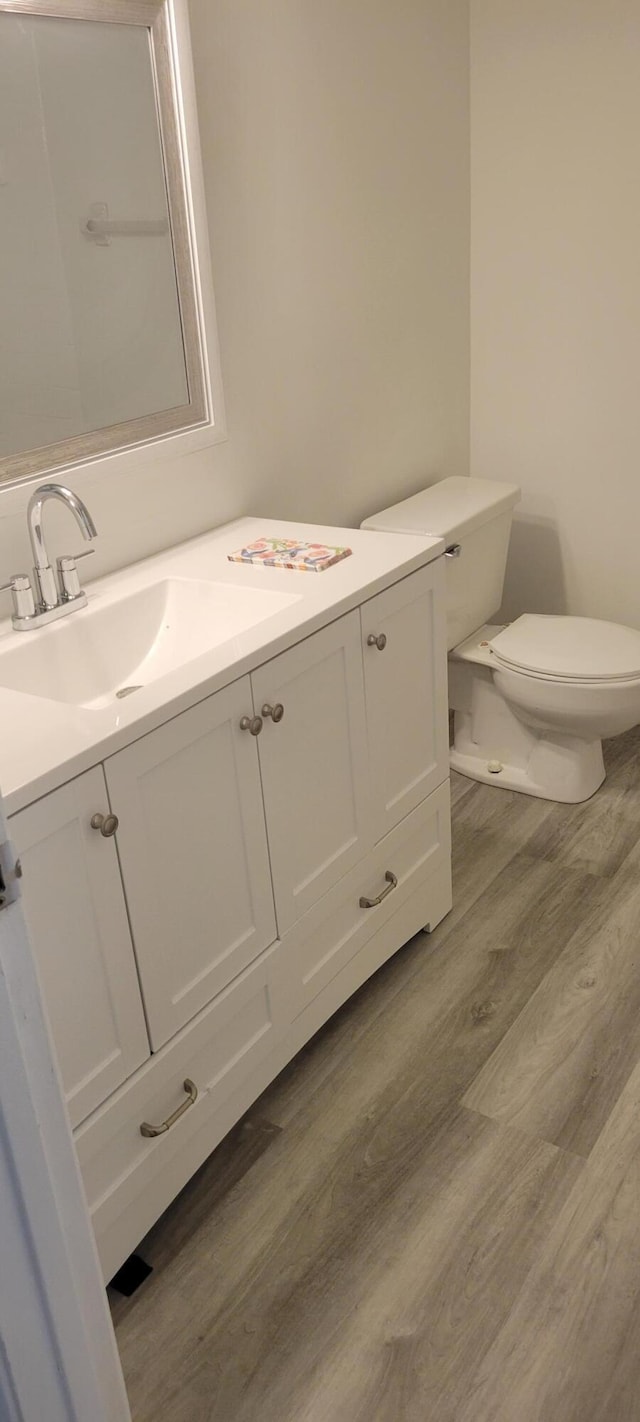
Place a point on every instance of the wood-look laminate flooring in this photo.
(433, 1215)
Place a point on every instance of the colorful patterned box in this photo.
(289, 553)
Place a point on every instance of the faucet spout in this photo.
(34, 518)
(46, 588)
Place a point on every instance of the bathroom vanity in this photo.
(228, 786)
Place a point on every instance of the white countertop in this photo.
(45, 742)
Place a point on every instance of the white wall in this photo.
(335, 144)
(555, 124)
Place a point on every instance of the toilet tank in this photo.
(475, 516)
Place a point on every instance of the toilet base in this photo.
(491, 744)
(568, 773)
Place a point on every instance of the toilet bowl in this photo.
(537, 724)
(532, 701)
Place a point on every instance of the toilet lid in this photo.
(569, 648)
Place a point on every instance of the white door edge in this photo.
(58, 1355)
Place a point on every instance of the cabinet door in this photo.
(76, 912)
(405, 661)
(194, 856)
(314, 765)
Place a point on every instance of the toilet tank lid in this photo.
(449, 509)
(580, 648)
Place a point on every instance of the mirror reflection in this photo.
(90, 319)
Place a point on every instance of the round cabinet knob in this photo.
(252, 724)
(107, 824)
(275, 712)
(380, 641)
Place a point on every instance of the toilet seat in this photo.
(576, 650)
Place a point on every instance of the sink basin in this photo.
(103, 653)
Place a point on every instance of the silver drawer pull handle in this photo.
(392, 883)
(453, 551)
(380, 641)
(192, 1092)
(275, 712)
(252, 724)
(107, 824)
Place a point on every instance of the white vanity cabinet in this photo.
(277, 842)
(77, 917)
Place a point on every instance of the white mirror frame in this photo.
(201, 421)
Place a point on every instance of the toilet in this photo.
(532, 701)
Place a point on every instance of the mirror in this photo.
(100, 335)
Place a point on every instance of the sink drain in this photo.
(127, 691)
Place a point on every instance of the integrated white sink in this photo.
(111, 650)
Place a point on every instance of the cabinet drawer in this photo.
(334, 931)
(218, 1051)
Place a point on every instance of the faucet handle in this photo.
(67, 560)
(67, 573)
(23, 601)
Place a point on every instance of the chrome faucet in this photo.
(50, 597)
